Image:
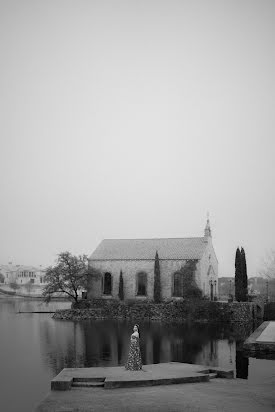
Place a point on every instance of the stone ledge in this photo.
(184, 310)
(61, 383)
(150, 375)
(221, 372)
(260, 348)
(112, 383)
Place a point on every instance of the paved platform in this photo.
(262, 341)
(150, 375)
(217, 395)
(268, 334)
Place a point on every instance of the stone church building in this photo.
(135, 258)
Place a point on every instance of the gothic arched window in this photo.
(141, 284)
(107, 284)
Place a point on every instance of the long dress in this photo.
(134, 362)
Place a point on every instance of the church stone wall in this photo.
(167, 269)
(208, 260)
(130, 268)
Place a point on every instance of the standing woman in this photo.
(134, 362)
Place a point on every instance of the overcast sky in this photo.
(132, 119)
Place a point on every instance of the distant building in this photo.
(22, 275)
(136, 257)
(226, 287)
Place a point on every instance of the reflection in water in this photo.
(106, 343)
(19, 305)
(230, 344)
(63, 344)
(241, 361)
(49, 345)
(241, 365)
(119, 351)
(156, 351)
(105, 351)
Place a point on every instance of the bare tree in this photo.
(267, 269)
(68, 276)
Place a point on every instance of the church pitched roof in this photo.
(145, 249)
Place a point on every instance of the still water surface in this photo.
(34, 348)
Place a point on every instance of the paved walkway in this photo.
(268, 334)
(219, 395)
(261, 342)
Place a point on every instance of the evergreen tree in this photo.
(244, 276)
(187, 285)
(157, 297)
(120, 288)
(238, 276)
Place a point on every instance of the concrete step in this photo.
(88, 384)
(86, 379)
(119, 382)
(213, 375)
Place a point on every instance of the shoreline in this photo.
(4, 295)
(185, 310)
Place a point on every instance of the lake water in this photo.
(34, 348)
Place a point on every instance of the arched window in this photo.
(178, 284)
(141, 284)
(105, 351)
(107, 284)
(210, 271)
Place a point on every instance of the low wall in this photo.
(269, 311)
(195, 310)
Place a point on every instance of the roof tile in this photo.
(134, 249)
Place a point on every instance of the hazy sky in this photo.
(132, 119)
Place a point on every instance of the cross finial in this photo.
(207, 230)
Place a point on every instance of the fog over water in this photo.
(125, 119)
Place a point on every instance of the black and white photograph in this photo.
(137, 199)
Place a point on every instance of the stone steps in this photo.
(99, 382)
(85, 382)
(88, 384)
(87, 379)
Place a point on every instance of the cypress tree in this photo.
(244, 276)
(238, 276)
(120, 287)
(157, 279)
